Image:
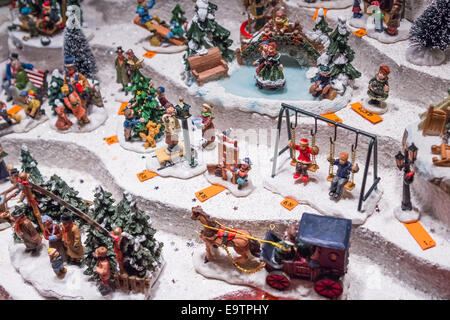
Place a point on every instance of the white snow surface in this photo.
(367, 23)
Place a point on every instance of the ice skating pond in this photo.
(242, 83)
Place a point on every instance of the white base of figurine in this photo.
(136, 144)
(221, 268)
(381, 109)
(425, 56)
(314, 192)
(168, 49)
(327, 4)
(97, 116)
(120, 96)
(247, 188)
(366, 22)
(25, 125)
(407, 216)
(38, 271)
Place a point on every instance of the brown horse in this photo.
(212, 238)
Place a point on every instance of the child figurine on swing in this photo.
(304, 158)
(341, 178)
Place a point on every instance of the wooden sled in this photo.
(160, 31)
(435, 121)
(444, 151)
(164, 158)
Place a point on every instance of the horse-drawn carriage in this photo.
(317, 252)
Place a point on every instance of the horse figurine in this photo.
(235, 238)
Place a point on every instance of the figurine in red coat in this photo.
(304, 158)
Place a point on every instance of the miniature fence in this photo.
(126, 283)
(373, 145)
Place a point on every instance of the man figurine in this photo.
(72, 240)
(379, 87)
(4, 174)
(208, 133)
(75, 81)
(74, 103)
(52, 233)
(26, 231)
(102, 268)
(57, 262)
(27, 192)
(121, 70)
(304, 158)
(133, 64)
(32, 106)
(322, 82)
(343, 173)
(242, 172)
(129, 123)
(16, 78)
(356, 9)
(171, 128)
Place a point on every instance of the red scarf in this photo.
(31, 201)
(66, 231)
(17, 224)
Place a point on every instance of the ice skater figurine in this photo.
(57, 263)
(379, 86)
(345, 167)
(242, 172)
(356, 9)
(304, 158)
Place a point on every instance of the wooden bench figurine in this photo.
(209, 66)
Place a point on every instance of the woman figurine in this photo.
(379, 87)
(269, 73)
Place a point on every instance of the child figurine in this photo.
(32, 106)
(242, 172)
(162, 97)
(74, 103)
(103, 270)
(343, 173)
(322, 82)
(119, 244)
(129, 123)
(62, 123)
(379, 87)
(7, 117)
(208, 133)
(304, 158)
(171, 128)
(121, 70)
(26, 231)
(281, 21)
(378, 17)
(52, 233)
(4, 174)
(72, 240)
(57, 263)
(356, 9)
(145, 17)
(269, 73)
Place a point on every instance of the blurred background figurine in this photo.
(121, 70)
(103, 270)
(16, 78)
(4, 174)
(26, 231)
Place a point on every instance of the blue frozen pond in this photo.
(242, 83)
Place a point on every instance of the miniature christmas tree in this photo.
(77, 46)
(204, 33)
(29, 165)
(145, 104)
(54, 89)
(321, 24)
(102, 212)
(178, 15)
(143, 253)
(340, 54)
(430, 35)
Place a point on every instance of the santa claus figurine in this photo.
(304, 158)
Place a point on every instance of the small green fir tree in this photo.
(29, 165)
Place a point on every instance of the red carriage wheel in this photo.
(278, 280)
(328, 287)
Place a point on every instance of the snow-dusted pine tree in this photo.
(204, 32)
(54, 89)
(77, 46)
(29, 165)
(321, 30)
(178, 15)
(430, 35)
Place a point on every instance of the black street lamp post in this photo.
(404, 161)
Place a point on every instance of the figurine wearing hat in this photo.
(16, 78)
(32, 106)
(75, 81)
(57, 262)
(379, 87)
(133, 64)
(208, 133)
(103, 269)
(53, 233)
(242, 172)
(322, 82)
(172, 128)
(343, 173)
(72, 239)
(304, 158)
(121, 70)
(26, 231)
(7, 117)
(129, 123)
(162, 97)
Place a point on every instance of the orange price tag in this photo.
(317, 13)
(420, 235)
(122, 107)
(112, 140)
(332, 117)
(360, 32)
(289, 203)
(372, 117)
(149, 54)
(146, 175)
(209, 192)
(14, 109)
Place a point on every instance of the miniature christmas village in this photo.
(293, 149)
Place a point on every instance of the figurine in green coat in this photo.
(121, 70)
(379, 87)
(4, 174)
